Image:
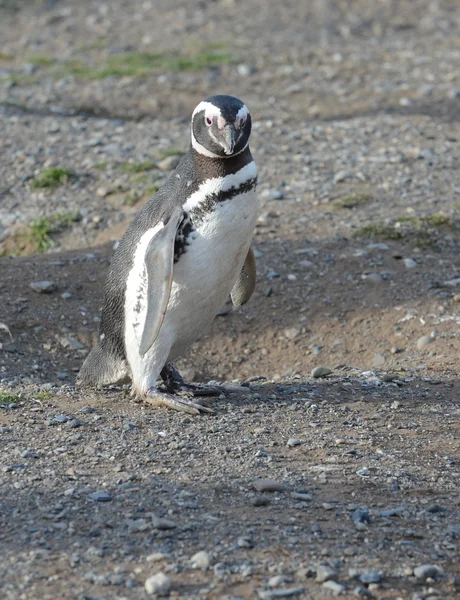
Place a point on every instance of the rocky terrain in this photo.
(335, 468)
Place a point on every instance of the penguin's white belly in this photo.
(204, 276)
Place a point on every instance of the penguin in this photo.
(183, 254)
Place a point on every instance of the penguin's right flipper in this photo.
(246, 282)
(102, 368)
(159, 263)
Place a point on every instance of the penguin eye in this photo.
(208, 121)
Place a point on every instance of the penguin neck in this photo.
(211, 168)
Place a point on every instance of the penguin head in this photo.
(221, 126)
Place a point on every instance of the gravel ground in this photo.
(335, 469)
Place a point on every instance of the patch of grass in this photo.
(129, 167)
(44, 395)
(379, 231)
(39, 230)
(425, 230)
(41, 60)
(171, 152)
(352, 200)
(52, 177)
(9, 398)
(139, 179)
(202, 60)
(101, 166)
(142, 64)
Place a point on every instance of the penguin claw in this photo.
(176, 403)
(190, 389)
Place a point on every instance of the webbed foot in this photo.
(179, 403)
(175, 384)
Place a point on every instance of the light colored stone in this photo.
(336, 588)
(425, 571)
(201, 560)
(424, 341)
(318, 372)
(325, 573)
(409, 263)
(293, 442)
(267, 485)
(43, 287)
(159, 585)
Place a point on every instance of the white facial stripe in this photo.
(242, 113)
(221, 184)
(209, 109)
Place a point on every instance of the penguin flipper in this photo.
(246, 282)
(102, 368)
(159, 263)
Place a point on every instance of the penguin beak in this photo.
(230, 138)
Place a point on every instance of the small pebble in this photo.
(424, 341)
(276, 581)
(162, 524)
(267, 485)
(370, 577)
(200, 560)
(159, 584)
(318, 372)
(425, 571)
(409, 263)
(336, 588)
(156, 557)
(100, 496)
(260, 500)
(43, 287)
(293, 442)
(325, 573)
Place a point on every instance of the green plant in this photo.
(44, 395)
(41, 60)
(379, 231)
(51, 177)
(8, 398)
(39, 230)
(351, 200)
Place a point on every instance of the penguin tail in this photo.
(102, 368)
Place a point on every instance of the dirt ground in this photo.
(356, 110)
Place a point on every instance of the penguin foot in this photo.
(157, 398)
(175, 384)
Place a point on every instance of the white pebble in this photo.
(201, 560)
(159, 584)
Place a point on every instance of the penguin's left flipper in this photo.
(246, 282)
(159, 263)
(175, 402)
